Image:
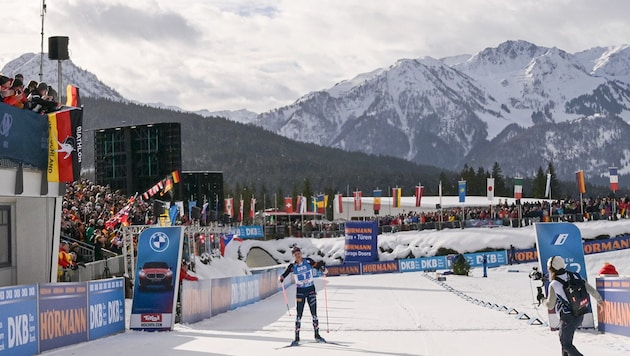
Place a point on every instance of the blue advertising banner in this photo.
(196, 300)
(23, 136)
(18, 320)
(494, 258)
(379, 267)
(562, 239)
(244, 291)
(361, 241)
(63, 315)
(157, 278)
(614, 317)
(423, 264)
(106, 299)
(250, 232)
(344, 269)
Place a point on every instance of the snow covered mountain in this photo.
(472, 108)
(90, 86)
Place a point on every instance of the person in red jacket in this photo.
(608, 270)
(183, 274)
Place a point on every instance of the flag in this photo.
(396, 192)
(73, 97)
(377, 200)
(518, 188)
(548, 186)
(229, 207)
(225, 239)
(419, 193)
(65, 136)
(288, 204)
(122, 215)
(168, 185)
(321, 207)
(191, 204)
(461, 188)
(339, 204)
(314, 204)
(581, 185)
(252, 208)
(175, 176)
(490, 188)
(440, 194)
(241, 209)
(614, 179)
(172, 214)
(357, 200)
(302, 204)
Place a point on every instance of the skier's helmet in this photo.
(556, 262)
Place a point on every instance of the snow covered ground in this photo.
(389, 314)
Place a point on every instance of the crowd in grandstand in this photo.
(89, 209)
(38, 97)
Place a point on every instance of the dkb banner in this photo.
(157, 278)
(19, 322)
(361, 241)
(107, 307)
(562, 239)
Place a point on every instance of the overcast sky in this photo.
(263, 54)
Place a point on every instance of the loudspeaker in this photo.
(58, 48)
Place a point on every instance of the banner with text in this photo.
(614, 317)
(63, 315)
(107, 307)
(19, 322)
(361, 241)
(423, 264)
(157, 278)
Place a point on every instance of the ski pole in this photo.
(326, 299)
(286, 300)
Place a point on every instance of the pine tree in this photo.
(500, 188)
(540, 182)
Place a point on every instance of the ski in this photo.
(320, 341)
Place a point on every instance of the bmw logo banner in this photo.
(561, 239)
(156, 281)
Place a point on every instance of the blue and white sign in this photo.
(19, 322)
(423, 264)
(157, 278)
(494, 258)
(106, 298)
(361, 241)
(562, 239)
(250, 232)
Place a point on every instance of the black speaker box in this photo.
(58, 48)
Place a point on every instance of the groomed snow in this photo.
(389, 314)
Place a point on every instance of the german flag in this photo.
(72, 93)
(65, 145)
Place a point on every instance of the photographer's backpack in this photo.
(577, 295)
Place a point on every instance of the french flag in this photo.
(614, 179)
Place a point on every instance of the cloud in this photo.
(261, 54)
(124, 23)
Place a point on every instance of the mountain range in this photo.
(517, 104)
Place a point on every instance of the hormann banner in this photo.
(344, 269)
(614, 317)
(590, 247)
(18, 320)
(63, 315)
(361, 241)
(379, 267)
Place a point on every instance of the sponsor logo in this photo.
(67, 146)
(5, 126)
(151, 318)
(560, 239)
(159, 242)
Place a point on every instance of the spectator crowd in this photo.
(38, 97)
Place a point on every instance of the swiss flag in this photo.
(288, 204)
